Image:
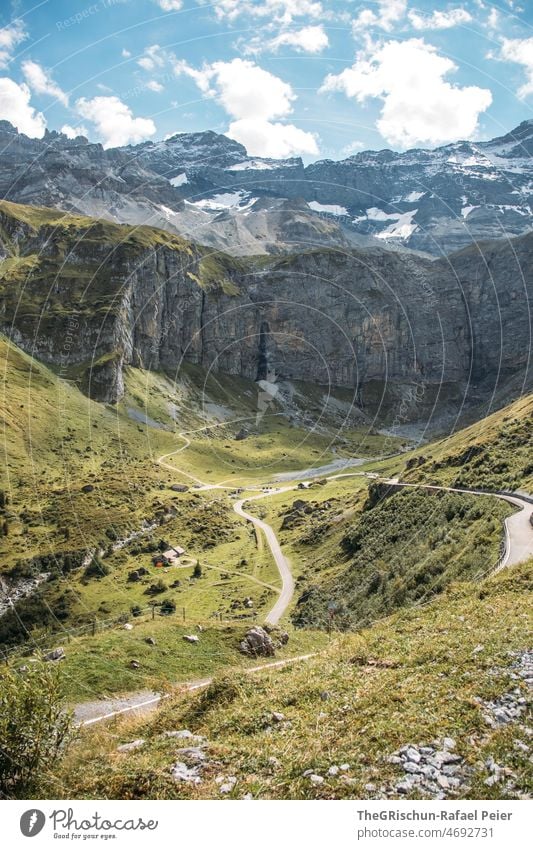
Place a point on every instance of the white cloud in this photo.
(10, 37)
(114, 122)
(253, 97)
(311, 39)
(72, 132)
(153, 85)
(266, 138)
(352, 147)
(388, 14)
(520, 52)
(154, 57)
(169, 5)
(41, 82)
(243, 88)
(125, 53)
(419, 105)
(440, 20)
(15, 107)
(281, 11)
(493, 20)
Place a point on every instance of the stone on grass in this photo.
(128, 747)
(191, 638)
(55, 654)
(181, 772)
(257, 643)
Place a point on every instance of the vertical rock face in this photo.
(91, 297)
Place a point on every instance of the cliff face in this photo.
(90, 297)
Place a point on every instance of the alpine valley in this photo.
(267, 435)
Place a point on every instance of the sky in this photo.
(321, 79)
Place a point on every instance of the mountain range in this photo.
(206, 187)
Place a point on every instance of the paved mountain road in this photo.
(518, 547)
(287, 581)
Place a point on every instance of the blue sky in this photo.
(315, 78)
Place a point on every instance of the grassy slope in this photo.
(494, 453)
(56, 441)
(407, 679)
(100, 666)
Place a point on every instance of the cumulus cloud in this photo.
(388, 13)
(266, 138)
(15, 107)
(72, 132)
(114, 122)
(520, 52)
(281, 11)
(153, 85)
(154, 57)
(170, 5)
(253, 97)
(440, 20)
(41, 82)
(419, 104)
(10, 37)
(311, 39)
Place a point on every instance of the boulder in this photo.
(128, 627)
(191, 638)
(134, 576)
(257, 643)
(150, 641)
(179, 487)
(242, 434)
(134, 664)
(55, 654)
(128, 747)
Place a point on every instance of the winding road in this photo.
(517, 548)
(518, 544)
(287, 581)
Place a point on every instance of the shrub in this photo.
(96, 569)
(168, 606)
(35, 729)
(197, 571)
(155, 589)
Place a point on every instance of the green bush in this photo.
(35, 729)
(96, 569)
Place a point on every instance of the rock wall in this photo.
(383, 324)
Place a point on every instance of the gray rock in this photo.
(191, 638)
(128, 747)
(55, 654)
(192, 753)
(189, 774)
(257, 643)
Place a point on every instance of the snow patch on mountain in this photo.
(329, 208)
(180, 180)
